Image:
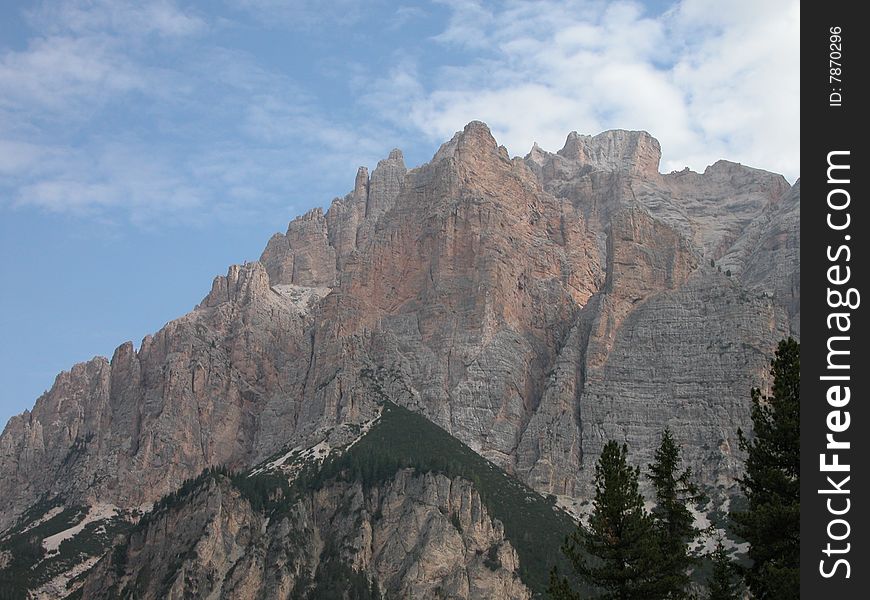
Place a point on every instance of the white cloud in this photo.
(55, 73)
(405, 14)
(133, 18)
(135, 111)
(18, 158)
(469, 24)
(709, 79)
(208, 135)
(300, 14)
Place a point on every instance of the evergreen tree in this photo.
(771, 524)
(722, 584)
(617, 551)
(674, 523)
(559, 588)
(375, 593)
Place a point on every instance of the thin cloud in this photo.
(301, 14)
(57, 73)
(209, 135)
(141, 112)
(161, 17)
(405, 14)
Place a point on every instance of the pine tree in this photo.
(375, 592)
(675, 525)
(722, 584)
(771, 524)
(617, 551)
(560, 589)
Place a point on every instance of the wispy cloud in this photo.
(98, 120)
(135, 19)
(405, 14)
(301, 14)
(152, 112)
(57, 74)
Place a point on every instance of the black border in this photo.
(826, 128)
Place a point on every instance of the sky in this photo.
(147, 145)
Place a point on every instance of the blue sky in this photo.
(145, 146)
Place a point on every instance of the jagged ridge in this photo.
(532, 307)
(401, 446)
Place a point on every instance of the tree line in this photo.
(627, 552)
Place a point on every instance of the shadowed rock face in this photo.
(534, 307)
(431, 538)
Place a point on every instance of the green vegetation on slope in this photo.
(403, 439)
(400, 439)
(334, 579)
(25, 563)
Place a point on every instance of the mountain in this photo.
(532, 308)
(406, 508)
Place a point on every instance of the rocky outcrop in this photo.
(414, 536)
(633, 152)
(129, 430)
(533, 307)
(303, 255)
(314, 246)
(384, 188)
(426, 536)
(766, 256)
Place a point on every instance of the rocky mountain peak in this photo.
(474, 142)
(635, 152)
(537, 155)
(361, 184)
(240, 285)
(533, 309)
(315, 215)
(385, 184)
(477, 130)
(735, 174)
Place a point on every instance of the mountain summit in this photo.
(531, 308)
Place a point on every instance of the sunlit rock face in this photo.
(533, 307)
(414, 536)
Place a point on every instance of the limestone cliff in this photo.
(533, 307)
(416, 536)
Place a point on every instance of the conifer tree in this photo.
(674, 523)
(375, 593)
(616, 552)
(771, 523)
(722, 584)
